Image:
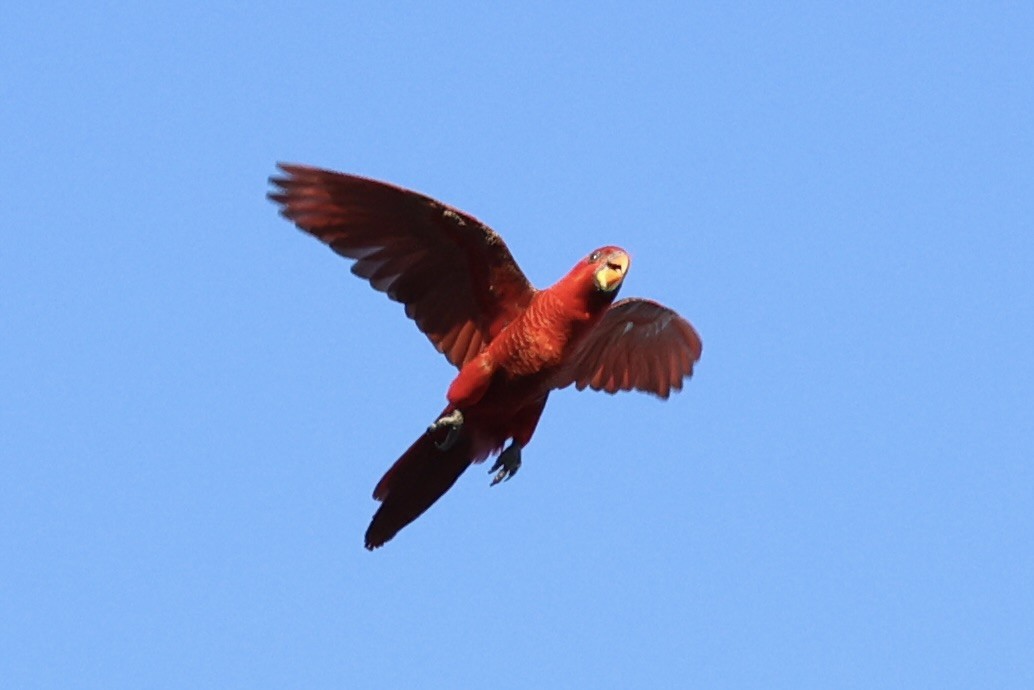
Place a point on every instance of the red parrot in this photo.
(512, 344)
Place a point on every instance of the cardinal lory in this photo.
(512, 344)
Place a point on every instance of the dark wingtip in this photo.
(278, 195)
(291, 168)
(374, 541)
(287, 173)
(282, 183)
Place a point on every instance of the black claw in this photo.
(451, 437)
(454, 422)
(508, 462)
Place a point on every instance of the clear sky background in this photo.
(197, 399)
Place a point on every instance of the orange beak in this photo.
(609, 276)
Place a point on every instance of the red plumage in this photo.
(513, 344)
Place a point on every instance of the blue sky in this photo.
(198, 399)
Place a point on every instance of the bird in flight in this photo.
(512, 343)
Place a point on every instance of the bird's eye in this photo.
(595, 256)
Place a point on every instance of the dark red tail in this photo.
(414, 483)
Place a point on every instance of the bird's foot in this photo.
(454, 422)
(508, 462)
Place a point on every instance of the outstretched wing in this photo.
(455, 275)
(638, 345)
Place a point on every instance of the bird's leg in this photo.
(454, 422)
(508, 462)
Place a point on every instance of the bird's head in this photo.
(595, 280)
(609, 266)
